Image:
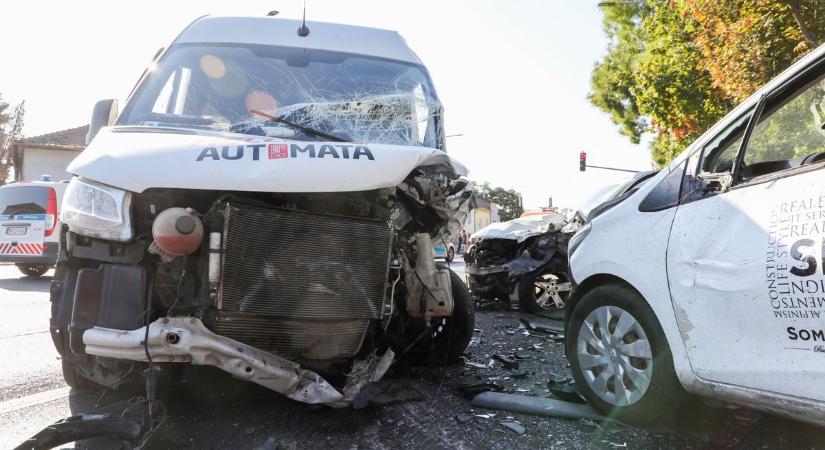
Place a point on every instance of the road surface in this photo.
(33, 395)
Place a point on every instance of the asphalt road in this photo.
(32, 395)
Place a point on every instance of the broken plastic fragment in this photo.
(515, 426)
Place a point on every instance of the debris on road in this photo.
(471, 390)
(507, 362)
(385, 392)
(463, 418)
(132, 422)
(515, 426)
(535, 405)
(542, 325)
(565, 390)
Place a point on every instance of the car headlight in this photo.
(97, 210)
(577, 239)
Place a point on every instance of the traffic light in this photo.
(582, 161)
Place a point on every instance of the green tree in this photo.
(674, 67)
(11, 129)
(508, 200)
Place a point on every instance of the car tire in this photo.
(450, 342)
(33, 270)
(75, 380)
(649, 392)
(450, 255)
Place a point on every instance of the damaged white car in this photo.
(265, 203)
(710, 279)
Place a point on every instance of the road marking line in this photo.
(34, 399)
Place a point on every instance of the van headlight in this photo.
(97, 210)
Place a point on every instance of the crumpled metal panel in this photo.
(187, 340)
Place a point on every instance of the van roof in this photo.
(284, 33)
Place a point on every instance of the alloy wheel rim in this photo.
(549, 290)
(614, 355)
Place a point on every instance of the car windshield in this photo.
(267, 91)
(597, 198)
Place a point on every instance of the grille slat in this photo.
(301, 268)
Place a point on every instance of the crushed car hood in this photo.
(139, 158)
(522, 228)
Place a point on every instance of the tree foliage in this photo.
(11, 129)
(508, 200)
(675, 67)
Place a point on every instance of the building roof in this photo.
(71, 138)
(284, 33)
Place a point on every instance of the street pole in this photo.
(612, 168)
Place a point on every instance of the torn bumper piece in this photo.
(187, 340)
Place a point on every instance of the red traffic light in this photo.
(582, 161)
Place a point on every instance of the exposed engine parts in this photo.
(277, 289)
(176, 232)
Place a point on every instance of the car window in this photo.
(790, 135)
(23, 200)
(720, 153)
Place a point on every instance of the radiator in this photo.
(301, 285)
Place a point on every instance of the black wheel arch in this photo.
(590, 283)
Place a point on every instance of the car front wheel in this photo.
(620, 358)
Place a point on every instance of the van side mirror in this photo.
(103, 115)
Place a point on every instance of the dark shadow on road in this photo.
(26, 284)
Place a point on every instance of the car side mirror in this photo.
(103, 115)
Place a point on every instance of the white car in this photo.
(710, 278)
(29, 226)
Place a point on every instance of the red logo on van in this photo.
(277, 151)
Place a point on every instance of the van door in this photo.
(745, 256)
(23, 217)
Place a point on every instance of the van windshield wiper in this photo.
(293, 125)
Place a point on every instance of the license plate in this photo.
(15, 231)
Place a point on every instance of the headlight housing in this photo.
(96, 210)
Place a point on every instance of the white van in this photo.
(266, 204)
(709, 279)
(29, 225)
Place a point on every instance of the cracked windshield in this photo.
(262, 90)
(362, 225)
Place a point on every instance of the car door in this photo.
(745, 258)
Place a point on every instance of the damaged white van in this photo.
(710, 278)
(265, 203)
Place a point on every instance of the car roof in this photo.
(284, 32)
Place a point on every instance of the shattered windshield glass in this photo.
(290, 93)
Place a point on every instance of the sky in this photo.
(513, 76)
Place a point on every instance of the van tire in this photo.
(33, 270)
(75, 380)
(449, 344)
(665, 401)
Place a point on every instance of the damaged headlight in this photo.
(97, 210)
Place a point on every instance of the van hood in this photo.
(140, 158)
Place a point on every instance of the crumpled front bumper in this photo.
(187, 340)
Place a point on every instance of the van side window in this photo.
(789, 134)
